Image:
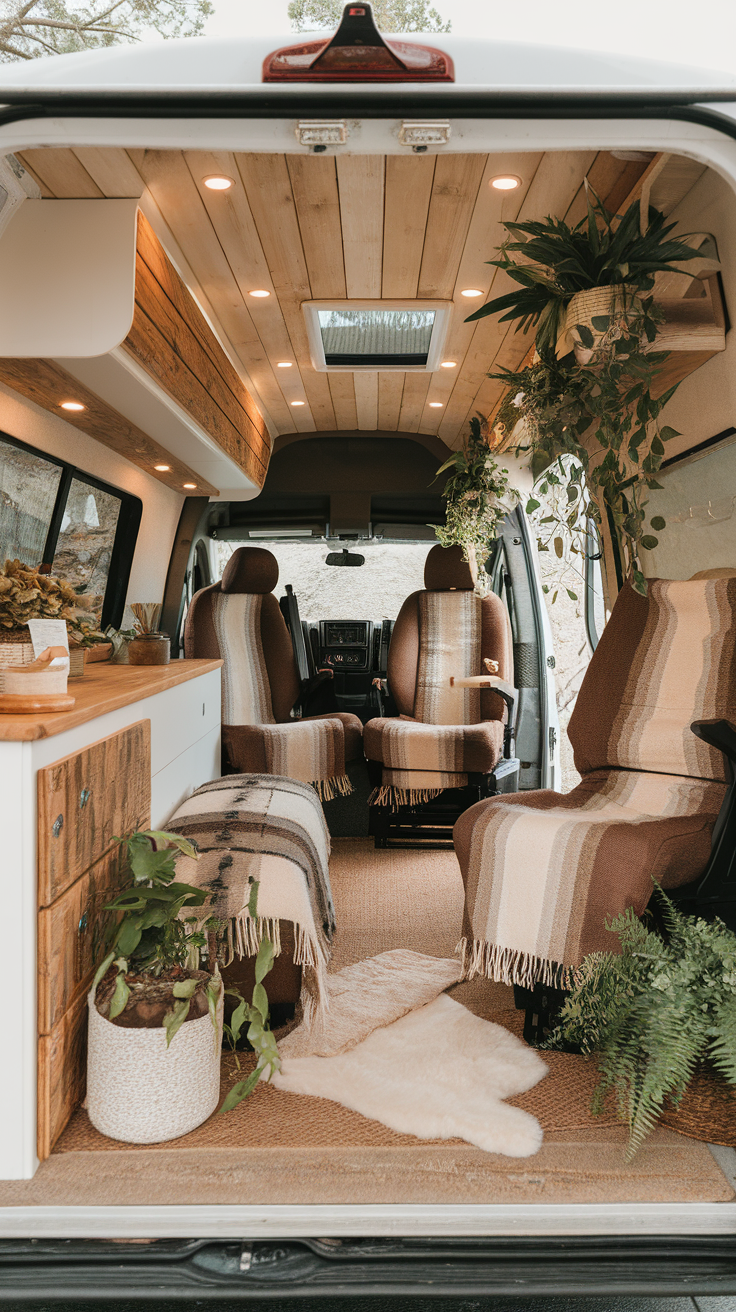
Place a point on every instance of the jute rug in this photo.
(285, 1148)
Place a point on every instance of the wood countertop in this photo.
(104, 688)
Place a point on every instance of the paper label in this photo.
(50, 633)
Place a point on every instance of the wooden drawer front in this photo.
(70, 943)
(85, 800)
(62, 1074)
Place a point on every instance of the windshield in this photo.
(373, 591)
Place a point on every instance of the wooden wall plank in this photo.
(454, 192)
(314, 188)
(62, 1074)
(112, 170)
(46, 384)
(62, 173)
(171, 184)
(409, 182)
(366, 400)
(342, 391)
(71, 937)
(361, 180)
(85, 799)
(268, 187)
(390, 391)
(413, 397)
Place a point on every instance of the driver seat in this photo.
(238, 621)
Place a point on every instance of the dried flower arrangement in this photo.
(27, 595)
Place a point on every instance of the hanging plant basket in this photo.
(589, 309)
(707, 1110)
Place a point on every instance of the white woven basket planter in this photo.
(16, 650)
(140, 1091)
(611, 302)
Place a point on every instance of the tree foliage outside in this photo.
(30, 28)
(389, 15)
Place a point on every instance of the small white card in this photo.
(50, 633)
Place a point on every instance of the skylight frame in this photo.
(442, 311)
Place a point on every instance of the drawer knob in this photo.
(84, 797)
(57, 826)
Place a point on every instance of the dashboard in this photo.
(357, 650)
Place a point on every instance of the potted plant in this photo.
(661, 1018)
(583, 281)
(86, 642)
(26, 594)
(155, 1018)
(478, 499)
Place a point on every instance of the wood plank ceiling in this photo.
(306, 227)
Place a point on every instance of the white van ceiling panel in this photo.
(67, 277)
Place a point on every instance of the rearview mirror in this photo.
(345, 557)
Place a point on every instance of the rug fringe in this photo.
(338, 786)
(390, 795)
(511, 965)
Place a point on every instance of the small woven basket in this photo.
(16, 649)
(707, 1110)
(609, 302)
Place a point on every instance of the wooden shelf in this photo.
(103, 688)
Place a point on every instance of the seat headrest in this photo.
(445, 570)
(250, 569)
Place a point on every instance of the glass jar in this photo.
(150, 649)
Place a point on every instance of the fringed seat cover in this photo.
(544, 872)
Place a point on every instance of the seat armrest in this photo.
(720, 734)
(506, 691)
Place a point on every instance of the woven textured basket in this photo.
(707, 1110)
(589, 305)
(16, 649)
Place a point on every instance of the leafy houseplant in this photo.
(259, 1034)
(153, 1069)
(478, 499)
(553, 262)
(658, 1016)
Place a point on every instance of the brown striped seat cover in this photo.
(543, 872)
(441, 732)
(239, 622)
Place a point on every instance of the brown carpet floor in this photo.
(283, 1148)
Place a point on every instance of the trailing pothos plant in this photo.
(654, 1013)
(605, 417)
(149, 975)
(255, 1015)
(478, 499)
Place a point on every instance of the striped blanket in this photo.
(270, 831)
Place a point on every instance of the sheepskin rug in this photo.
(438, 1072)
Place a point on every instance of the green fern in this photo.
(654, 1012)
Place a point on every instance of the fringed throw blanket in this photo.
(310, 750)
(270, 831)
(421, 760)
(544, 874)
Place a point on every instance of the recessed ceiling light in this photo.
(448, 364)
(436, 405)
(189, 484)
(470, 291)
(72, 405)
(163, 469)
(505, 182)
(284, 364)
(297, 403)
(259, 293)
(218, 182)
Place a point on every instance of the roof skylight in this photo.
(375, 335)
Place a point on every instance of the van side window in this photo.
(85, 530)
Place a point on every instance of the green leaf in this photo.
(185, 988)
(559, 548)
(649, 543)
(212, 992)
(102, 970)
(128, 937)
(658, 522)
(586, 337)
(253, 900)
(572, 595)
(639, 583)
(238, 1019)
(260, 1002)
(264, 960)
(668, 433)
(241, 1090)
(532, 505)
(174, 1019)
(120, 995)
